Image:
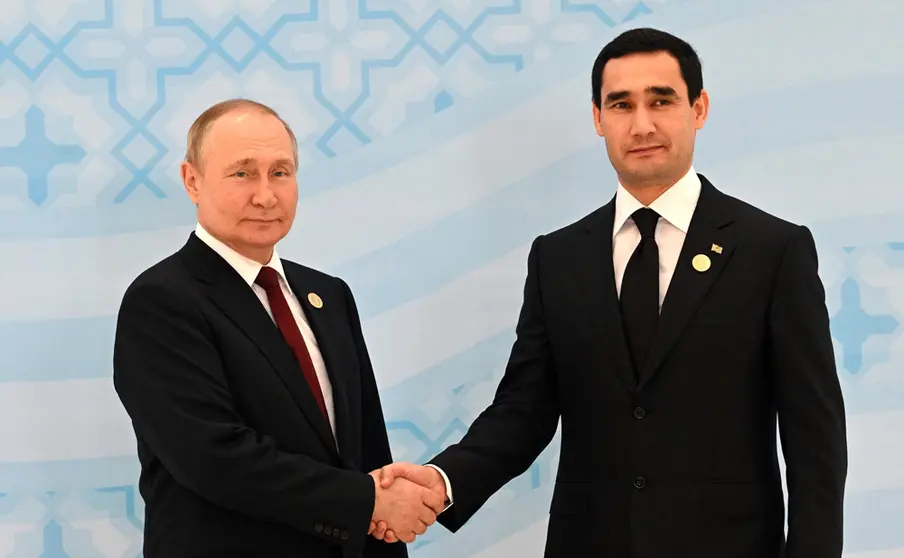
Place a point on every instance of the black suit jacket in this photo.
(236, 458)
(683, 462)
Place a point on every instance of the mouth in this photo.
(646, 150)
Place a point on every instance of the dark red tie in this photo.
(268, 278)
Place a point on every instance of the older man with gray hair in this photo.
(246, 376)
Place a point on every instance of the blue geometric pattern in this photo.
(353, 110)
(36, 155)
(437, 138)
(853, 326)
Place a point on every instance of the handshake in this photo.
(408, 499)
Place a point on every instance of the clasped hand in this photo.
(408, 499)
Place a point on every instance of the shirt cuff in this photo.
(448, 485)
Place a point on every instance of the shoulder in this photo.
(758, 219)
(328, 287)
(756, 226)
(310, 274)
(166, 280)
(317, 280)
(564, 237)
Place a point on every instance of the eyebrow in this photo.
(660, 90)
(240, 163)
(250, 161)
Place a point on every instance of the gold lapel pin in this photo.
(716, 248)
(315, 300)
(701, 262)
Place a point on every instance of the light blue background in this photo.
(438, 138)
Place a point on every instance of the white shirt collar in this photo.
(246, 267)
(676, 205)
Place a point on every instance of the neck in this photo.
(260, 254)
(647, 194)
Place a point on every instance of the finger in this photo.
(408, 538)
(420, 528)
(380, 531)
(394, 470)
(391, 537)
(370, 529)
(418, 474)
(434, 501)
(427, 516)
(388, 474)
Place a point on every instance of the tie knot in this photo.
(646, 219)
(267, 278)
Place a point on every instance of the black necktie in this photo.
(640, 289)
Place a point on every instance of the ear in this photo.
(190, 179)
(701, 109)
(597, 123)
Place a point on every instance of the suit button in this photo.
(318, 527)
(327, 530)
(336, 533)
(344, 535)
(639, 413)
(639, 482)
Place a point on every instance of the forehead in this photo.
(636, 72)
(250, 133)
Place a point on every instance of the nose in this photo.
(642, 122)
(264, 196)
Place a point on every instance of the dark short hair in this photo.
(648, 40)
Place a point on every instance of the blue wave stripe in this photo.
(57, 349)
(89, 342)
(42, 476)
(471, 364)
(475, 236)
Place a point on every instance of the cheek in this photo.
(616, 134)
(287, 197)
(231, 202)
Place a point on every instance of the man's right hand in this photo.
(395, 473)
(404, 507)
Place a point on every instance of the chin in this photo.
(267, 235)
(644, 177)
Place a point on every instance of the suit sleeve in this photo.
(375, 450)
(508, 436)
(170, 379)
(810, 406)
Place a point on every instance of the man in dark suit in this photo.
(669, 331)
(246, 376)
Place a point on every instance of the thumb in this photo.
(387, 475)
(393, 471)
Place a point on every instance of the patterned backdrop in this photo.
(438, 138)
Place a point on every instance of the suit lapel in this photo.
(709, 240)
(323, 323)
(600, 294)
(239, 302)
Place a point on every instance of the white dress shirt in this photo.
(249, 269)
(675, 208)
